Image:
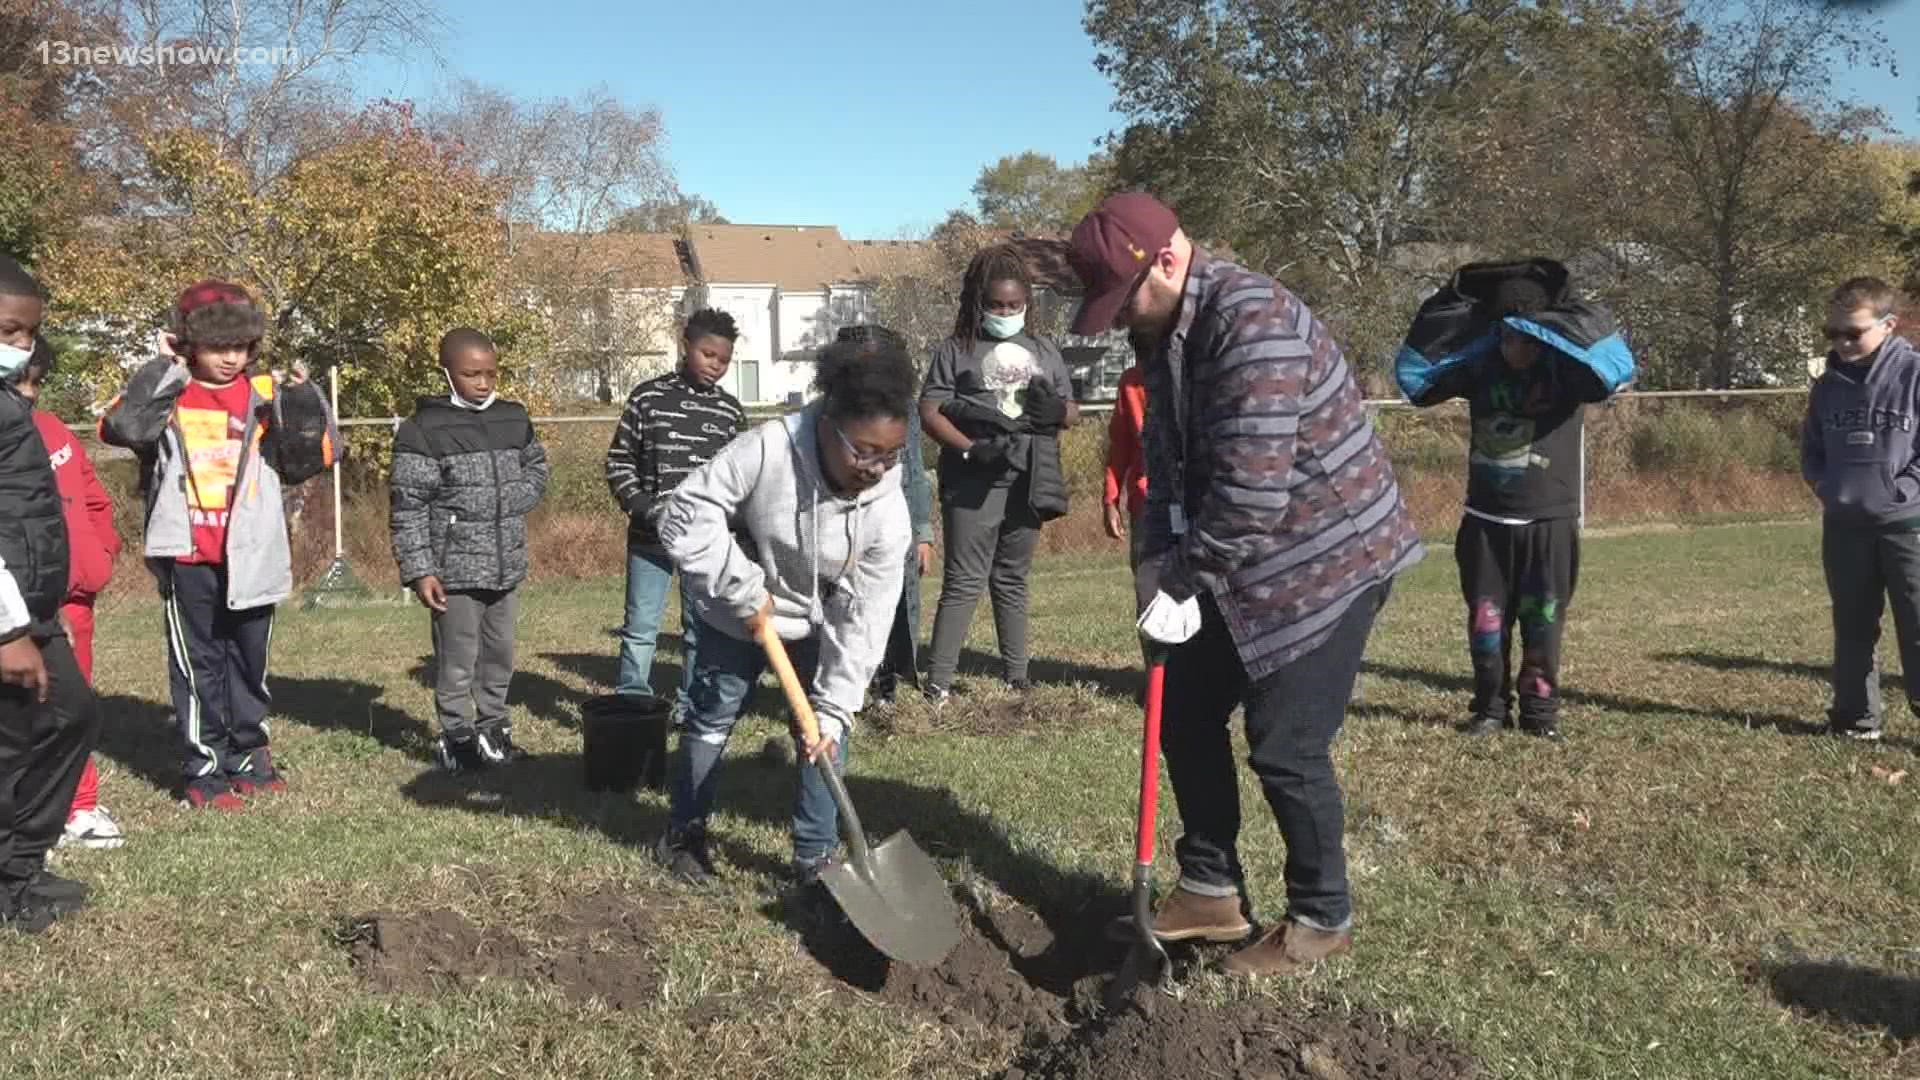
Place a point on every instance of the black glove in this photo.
(989, 453)
(1043, 409)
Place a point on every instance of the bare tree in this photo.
(569, 171)
(268, 79)
(566, 165)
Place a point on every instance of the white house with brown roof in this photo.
(790, 288)
(623, 294)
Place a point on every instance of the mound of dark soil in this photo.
(596, 946)
(1172, 1040)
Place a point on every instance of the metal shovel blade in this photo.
(1147, 960)
(891, 892)
(898, 901)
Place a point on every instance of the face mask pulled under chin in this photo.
(13, 360)
(1004, 326)
(459, 402)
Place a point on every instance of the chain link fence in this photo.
(1683, 458)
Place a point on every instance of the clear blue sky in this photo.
(1898, 97)
(871, 115)
(874, 116)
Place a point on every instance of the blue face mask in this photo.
(1004, 326)
(12, 361)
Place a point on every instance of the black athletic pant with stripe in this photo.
(217, 665)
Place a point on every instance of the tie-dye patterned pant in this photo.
(1525, 575)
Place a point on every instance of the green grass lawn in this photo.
(1622, 905)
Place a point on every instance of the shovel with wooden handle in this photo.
(1147, 959)
(891, 892)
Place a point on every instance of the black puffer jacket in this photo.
(33, 533)
(463, 484)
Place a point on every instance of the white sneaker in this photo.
(93, 828)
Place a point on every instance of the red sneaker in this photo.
(258, 776)
(210, 793)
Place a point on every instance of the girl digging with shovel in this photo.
(818, 494)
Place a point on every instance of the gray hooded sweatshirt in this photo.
(833, 565)
(1857, 448)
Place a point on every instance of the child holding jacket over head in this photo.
(216, 446)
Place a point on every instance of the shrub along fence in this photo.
(1689, 457)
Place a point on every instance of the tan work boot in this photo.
(1289, 949)
(1189, 916)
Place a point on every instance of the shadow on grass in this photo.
(760, 787)
(1122, 682)
(1784, 723)
(1851, 994)
(139, 736)
(352, 706)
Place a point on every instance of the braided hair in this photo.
(997, 263)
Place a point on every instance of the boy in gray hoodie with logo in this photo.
(1857, 451)
(817, 499)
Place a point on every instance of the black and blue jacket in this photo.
(1524, 460)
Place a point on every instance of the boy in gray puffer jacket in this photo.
(1857, 452)
(467, 469)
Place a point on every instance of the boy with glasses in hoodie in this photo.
(1857, 452)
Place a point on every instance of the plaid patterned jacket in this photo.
(1256, 432)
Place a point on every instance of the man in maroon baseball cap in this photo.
(1272, 534)
(1114, 250)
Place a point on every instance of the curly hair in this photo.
(711, 322)
(864, 379)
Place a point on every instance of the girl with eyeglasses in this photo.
(802, 523)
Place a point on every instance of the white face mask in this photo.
(462, 403)
(13, 361)
(1004, 326)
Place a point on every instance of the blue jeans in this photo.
(649, 574)
(727, 669)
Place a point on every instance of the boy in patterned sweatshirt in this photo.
(672, 425)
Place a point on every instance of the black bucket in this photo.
(625, 742)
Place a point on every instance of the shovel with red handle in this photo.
(1147, 959)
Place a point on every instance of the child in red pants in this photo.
(92, 544)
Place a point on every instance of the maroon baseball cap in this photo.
(1110, 251)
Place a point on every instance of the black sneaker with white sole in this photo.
(1858, 731)
(456, 756)
(496, 745)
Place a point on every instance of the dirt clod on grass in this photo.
(594, 947)
(1254, 1040)
(1009, 974)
